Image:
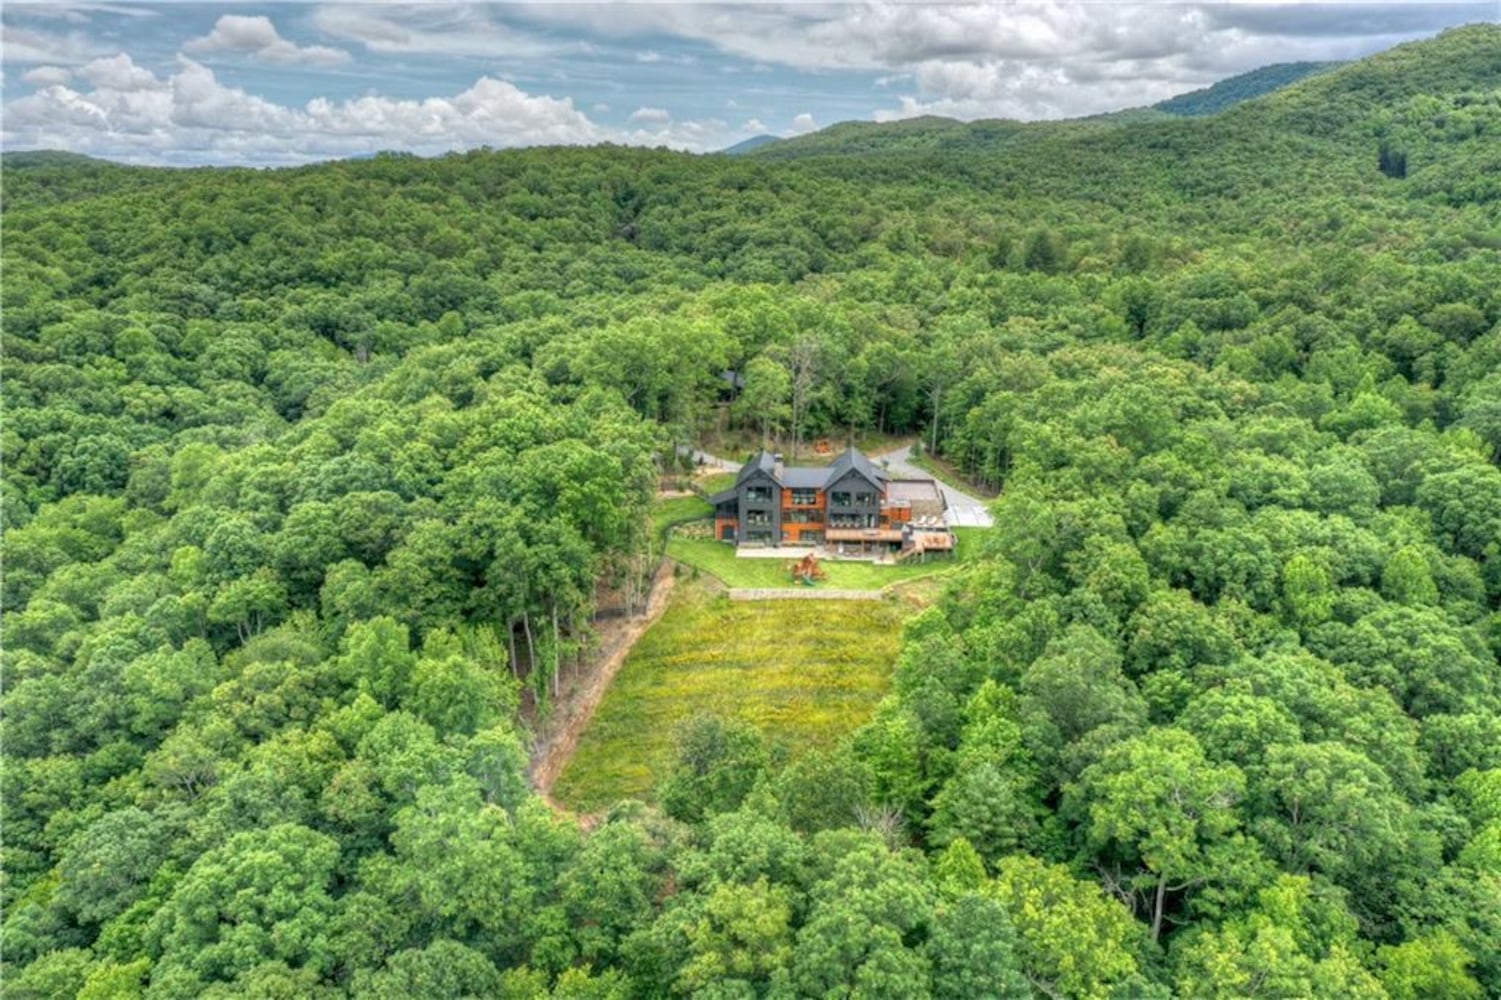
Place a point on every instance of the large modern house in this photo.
(851, 506)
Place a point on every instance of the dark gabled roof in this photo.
(811, 477)
(725, 496)
(803, 478)
(853, 460)
(761, 460)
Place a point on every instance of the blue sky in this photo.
(292, 82)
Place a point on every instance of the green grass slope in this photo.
(719, 560)
(805, 672)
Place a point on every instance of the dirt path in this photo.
(559, 737)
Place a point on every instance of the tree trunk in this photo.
(511, 638)
(556, 644)
(531, 645)
(1157, 908)
(796, 424)
(937, 399)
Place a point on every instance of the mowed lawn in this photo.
(670, 512)
(804, 672)
(719, 560)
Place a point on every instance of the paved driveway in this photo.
(964, 511)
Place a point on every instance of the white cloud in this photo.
(190, 116)
(653, 57)
(27, 46)
(257, 37)
(1025, 60)
(694, 135)
(118, 72)
(46, 76)
(79, 12)
(1028, 59)
(430, 28)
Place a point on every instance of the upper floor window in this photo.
(839, 498)
(865, 499)
(804, 498)
(758, 494)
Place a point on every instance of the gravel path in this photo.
(964, 511)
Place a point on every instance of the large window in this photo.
(839, 498)
(757, 494)
(757, 517)
(852, 520)
(865, 499)
(803, 516)
(804, 498)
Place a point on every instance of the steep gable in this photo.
(854, 461)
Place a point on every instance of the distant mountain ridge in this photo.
(745, 146)
(939, 134)
(21, 159)
(1360, 99)
(1243, 87)
(1308, 98)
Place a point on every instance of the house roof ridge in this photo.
(851, 459)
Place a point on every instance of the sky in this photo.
(283, 83)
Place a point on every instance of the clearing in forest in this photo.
(805, 673)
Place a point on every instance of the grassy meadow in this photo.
(805, 672)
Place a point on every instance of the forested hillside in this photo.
(945, 135)
(314, 477)
(1227, 93)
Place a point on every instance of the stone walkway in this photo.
(964, 510)
(803, 594)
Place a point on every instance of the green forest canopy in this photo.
(313, 475)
